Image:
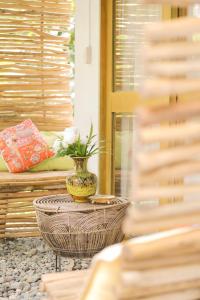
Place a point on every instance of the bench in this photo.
(17, 192)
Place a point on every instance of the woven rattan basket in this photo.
(79, 230)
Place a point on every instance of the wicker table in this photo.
(79, 230)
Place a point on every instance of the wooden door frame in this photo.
(115, 102)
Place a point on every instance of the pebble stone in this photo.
(23, 261)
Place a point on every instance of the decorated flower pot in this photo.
(82, 183)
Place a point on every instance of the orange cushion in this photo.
(22, 147)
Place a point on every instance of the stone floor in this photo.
(23, 261)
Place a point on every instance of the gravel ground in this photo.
(23, 261)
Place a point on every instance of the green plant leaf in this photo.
(80, 149)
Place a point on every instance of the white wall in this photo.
(87, 76)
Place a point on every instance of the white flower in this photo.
(70, 135)
(65, 144)
(57, 145)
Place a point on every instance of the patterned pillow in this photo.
(22, 147)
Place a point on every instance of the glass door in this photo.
(123, 27)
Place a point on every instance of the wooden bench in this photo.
(17, 192)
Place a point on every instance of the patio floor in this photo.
(23, 261)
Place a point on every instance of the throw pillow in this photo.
(22, 146)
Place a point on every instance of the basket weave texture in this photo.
(79, 230)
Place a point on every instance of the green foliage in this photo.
(78, 148)
(72, 45)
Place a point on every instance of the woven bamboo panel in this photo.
(17, 192)
(35, 72)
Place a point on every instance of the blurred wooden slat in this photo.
(172, 44)
(64, 286)
(169, 113)
(172, 2)
(181, 27)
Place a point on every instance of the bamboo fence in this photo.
(35, 69)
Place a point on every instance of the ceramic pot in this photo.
(82, 183)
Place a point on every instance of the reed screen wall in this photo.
(35, 72)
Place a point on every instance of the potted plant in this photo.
(82, 183)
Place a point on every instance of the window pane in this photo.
(130, 17)
(122, 153)
(123, 150)
(194, 10)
